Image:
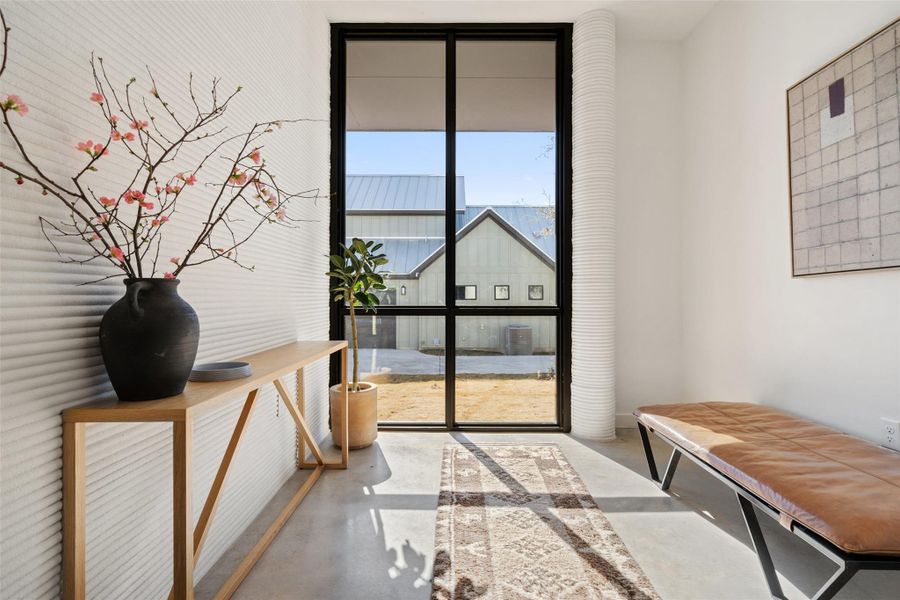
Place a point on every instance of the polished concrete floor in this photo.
(368, 533)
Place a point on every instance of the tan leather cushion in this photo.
(845, 489)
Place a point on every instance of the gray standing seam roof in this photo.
(411, 193)
(401, 193)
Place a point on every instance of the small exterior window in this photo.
(501, 292)
(466, 292)
(535, 292)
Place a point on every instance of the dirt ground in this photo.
(477, 399)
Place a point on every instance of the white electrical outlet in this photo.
(890, 433)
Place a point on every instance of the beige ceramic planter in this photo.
(363, 422)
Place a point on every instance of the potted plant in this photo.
(149, 338)
(355, 277)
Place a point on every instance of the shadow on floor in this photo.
(343, 516)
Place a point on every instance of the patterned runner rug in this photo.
(516, 522)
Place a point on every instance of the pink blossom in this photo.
(113, 120)
(106, 201)
(117, 253)
(172, 189)
(189, 180)
(174, 260)
(128, 137)
(95, 237)
(254, 156)
(159, 221)
(94, 150)
(146, 205)
(139, 125)
(168, 276)
(280, 214)
(238, 177)
(115, 135)
(131, 195)
(15, 104)
(103, 219)
(97, 97)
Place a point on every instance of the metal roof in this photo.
(405, 254)
(413, 194)
(401, 193)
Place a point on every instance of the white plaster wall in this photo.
(279, 53)
(826, 347)
(648, 204)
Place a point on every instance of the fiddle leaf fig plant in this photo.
(356, 277)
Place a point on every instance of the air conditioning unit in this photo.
(517, 340)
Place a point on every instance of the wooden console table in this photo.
(268, 367)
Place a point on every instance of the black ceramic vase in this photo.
(148, 339)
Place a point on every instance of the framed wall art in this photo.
(844, 153)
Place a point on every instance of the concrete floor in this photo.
(368, 533)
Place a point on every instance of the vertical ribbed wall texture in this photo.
(594, 225)
(279, 53)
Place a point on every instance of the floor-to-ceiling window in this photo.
(451, 149)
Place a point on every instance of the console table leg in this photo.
(301, 409)
(345, 412)
(182, 518)
(73, 511)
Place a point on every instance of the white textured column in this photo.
(594, 226)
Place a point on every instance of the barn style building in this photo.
(506, 256)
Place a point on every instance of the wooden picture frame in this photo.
(844, 160)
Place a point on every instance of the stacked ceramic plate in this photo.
(220, 371)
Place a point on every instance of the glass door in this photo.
(450, 149)
(506, 364)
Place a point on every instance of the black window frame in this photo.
(561, 33)
(498, 286)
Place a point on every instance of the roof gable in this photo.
(488, 213)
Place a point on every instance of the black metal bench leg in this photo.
(648, 451)
(670, 469)
(759, 544)
(844, 573)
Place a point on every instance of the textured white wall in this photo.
(594, 225)
(648, 223)
(826, 347)
(50, 361)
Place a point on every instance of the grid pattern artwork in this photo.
(845, 160)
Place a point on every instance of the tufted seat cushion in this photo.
(843, 488)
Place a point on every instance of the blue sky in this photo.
(499, 167)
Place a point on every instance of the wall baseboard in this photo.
(625, 421)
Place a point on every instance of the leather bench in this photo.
(839, 493)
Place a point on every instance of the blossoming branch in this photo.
(125, 227)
